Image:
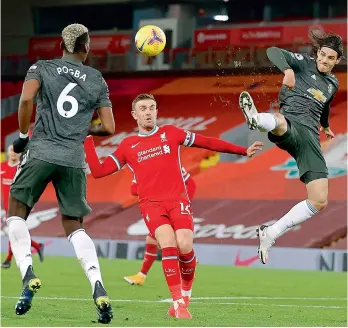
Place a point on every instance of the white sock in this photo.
(177, 302)
(142, 274)
(298, 214)
(87, 255)
(266, 122)
(186, 293)
(19, 236)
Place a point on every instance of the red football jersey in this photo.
(154, 159)
(8, 171)
(190, 187)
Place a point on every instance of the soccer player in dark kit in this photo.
(305, 97)
(67, 93)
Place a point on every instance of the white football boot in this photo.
(246, 104)
(266, 243)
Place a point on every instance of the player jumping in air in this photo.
(151, 245)
(305, 97)
(153, 156)
(67, 94)
(8, 171)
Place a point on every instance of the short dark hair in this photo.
(142, 96)
(330, 40)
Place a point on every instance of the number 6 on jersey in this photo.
(63, 97)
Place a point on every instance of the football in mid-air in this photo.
(150, 40)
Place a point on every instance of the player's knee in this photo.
(17, 208)
(320, 203)
(184, 246)
(165, 237)
(71, 224)
(281, 121)
(150, 240)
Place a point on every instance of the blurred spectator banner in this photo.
(49, 47)
(281, 34)
(257, 34)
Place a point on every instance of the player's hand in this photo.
(289, 79)
(20, 144)
(256, 146)
(328, 133)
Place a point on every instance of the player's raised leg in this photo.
(150, 256)
(265, 122)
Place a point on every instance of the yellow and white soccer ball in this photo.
(150, 40)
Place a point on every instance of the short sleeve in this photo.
(298, 62)
(34, 72)
(103, 99)
(185, 137)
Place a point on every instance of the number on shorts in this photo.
(63, 97)
(185, 209)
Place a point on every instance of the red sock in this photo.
(35, 245)
(187, 264)
(9, 253)
(171, 271)
(150, 256)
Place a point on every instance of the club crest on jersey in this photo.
(163, 137)
(317, 95)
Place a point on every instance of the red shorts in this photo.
(178, 214)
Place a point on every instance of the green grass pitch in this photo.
(222, 296)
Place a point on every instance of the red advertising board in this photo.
(44, 46)
(273, 34)
(215, 37)
(261, 34)
(50, 46)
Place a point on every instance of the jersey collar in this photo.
(72, 61)
(153, 131)
(12, 165)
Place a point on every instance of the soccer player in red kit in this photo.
(153, 156)
(8, 171)
(151, 245)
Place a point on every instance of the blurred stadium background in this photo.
(215, 49)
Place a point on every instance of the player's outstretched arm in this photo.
(98, 169)
(222, 146)
(25, 112)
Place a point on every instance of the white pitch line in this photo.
(279, 305)
(83, 299)
(193, 301)
(269, 298)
